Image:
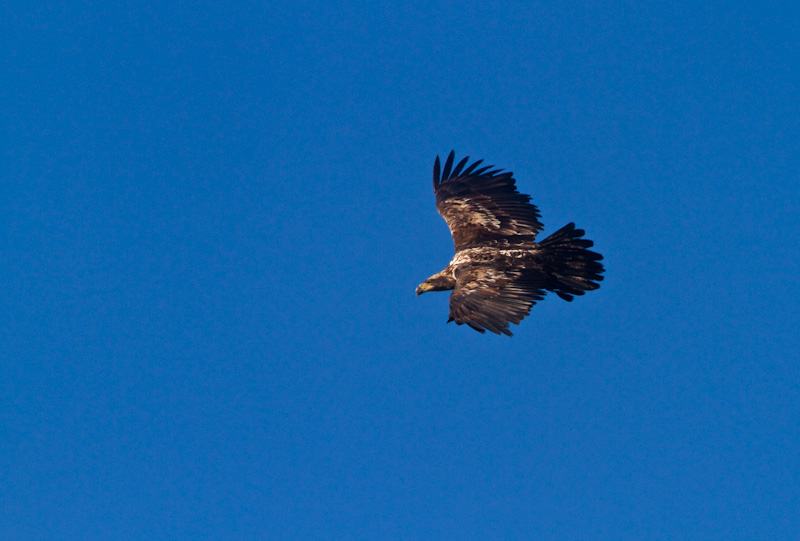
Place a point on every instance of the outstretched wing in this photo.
(482, 207)
(486, 297)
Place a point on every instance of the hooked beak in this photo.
(422, 288)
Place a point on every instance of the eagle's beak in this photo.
(422, 288)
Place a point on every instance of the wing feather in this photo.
(448, 164)
(489, 298)
(472, 167)
(457, 171)
(482, 206)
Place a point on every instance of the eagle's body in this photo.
(499, 270)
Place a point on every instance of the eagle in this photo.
(499, 269)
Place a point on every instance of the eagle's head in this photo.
(441, 281)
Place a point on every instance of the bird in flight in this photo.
(499, 270)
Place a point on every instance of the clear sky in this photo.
(214, 217)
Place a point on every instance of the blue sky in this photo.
(214, 218)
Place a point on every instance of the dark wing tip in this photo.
(449, 172)
(471, 168)
(457, 171)
(448, 165)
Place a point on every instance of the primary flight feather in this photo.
(499, 270)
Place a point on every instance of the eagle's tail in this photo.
(573, 268)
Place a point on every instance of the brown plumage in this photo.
(499, 271)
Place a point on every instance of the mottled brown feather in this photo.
(483, 207)
(490, 296)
